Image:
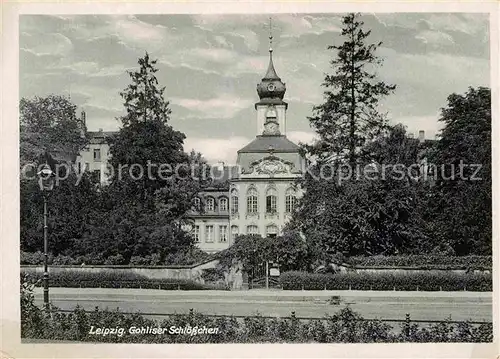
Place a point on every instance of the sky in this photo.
(211, 64)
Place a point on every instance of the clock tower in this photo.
(271, 109)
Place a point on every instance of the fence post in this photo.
(407, 325)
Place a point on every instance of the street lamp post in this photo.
(46, 183)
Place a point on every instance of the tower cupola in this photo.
(271, 89)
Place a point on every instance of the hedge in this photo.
(424, 261)
(345, 326)
(76, 279)
(448, 281)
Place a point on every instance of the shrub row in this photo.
(115, 279)
(345, 326)
(179, 258)
(424, 261)
(447, 281)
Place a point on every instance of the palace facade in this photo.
(258, 195)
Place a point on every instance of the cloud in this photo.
(99, 97)
(217, 149)
(225, 106)
(414, 124)
(434, 69)
(298, 25)
(302, 137)
(52, 44)
(466, 23)
(435, 38)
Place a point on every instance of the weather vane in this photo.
(270, 34)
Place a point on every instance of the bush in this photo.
(447, 281)
(423, 261)
(212, 275)
(114, 279)
(345, 326)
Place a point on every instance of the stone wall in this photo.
(151, 272)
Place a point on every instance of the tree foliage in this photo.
(49, 123)
(349, 116)
(289, 251)
(147, 200)
(460, 206)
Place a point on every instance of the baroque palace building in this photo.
(257, 196)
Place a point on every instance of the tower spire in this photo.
(271, 87)
(271, 72)
(270, 35)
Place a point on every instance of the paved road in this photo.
(385, 305)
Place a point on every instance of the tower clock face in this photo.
(271, 87)
(271, 127)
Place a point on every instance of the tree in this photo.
(373, 213)
(349, 116)
(460, 205)
(147, 200)
(144, 101)
(50, 123)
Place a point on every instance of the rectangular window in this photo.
(97, 154)
(234, 232)
(252, 229)
(209, 237)
(223, 204)
(252, 204)
(271, 204)
(223, 234)
(234, 204)
(290, 203)
(196, 234)
(96, 175)
(79, 167)
(210, 205)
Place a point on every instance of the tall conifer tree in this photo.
(349, 115)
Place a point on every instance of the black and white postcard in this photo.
(248, 176)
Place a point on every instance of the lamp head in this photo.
(46, 178)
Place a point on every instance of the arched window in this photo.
(271, 200)
(252, 229)
(271, 231)
(252, 201)
(234, 233)
(223, 204)
(234, 201)
(197, 203)
(210, 204)
(290, 200)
